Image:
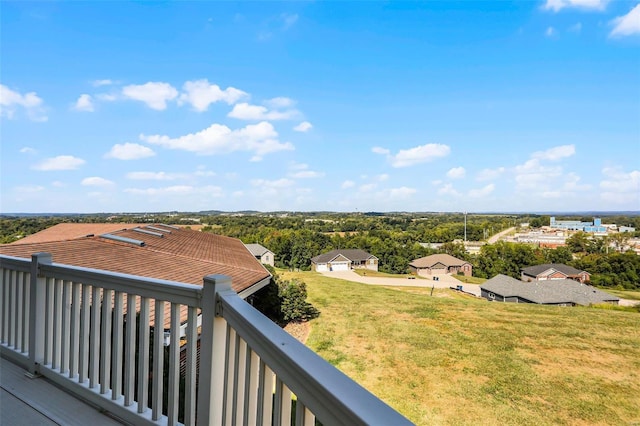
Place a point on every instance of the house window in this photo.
(492, 296)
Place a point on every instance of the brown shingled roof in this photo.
(71, 231)
(429, 261)
(182, 255)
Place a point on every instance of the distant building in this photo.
(554, 271)
(440, 264)
(344, 260)
(502, 288)
(576, 225)
(263, 254)
(626, 229)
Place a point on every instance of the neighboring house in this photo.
(344, 260)
(554, 271)
(502, 288)
(440, 264)
(263, 254)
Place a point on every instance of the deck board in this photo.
(37, 401)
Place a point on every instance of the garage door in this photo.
(340, 266)
(322, 267)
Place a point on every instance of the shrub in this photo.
(284, 301)
(294, 305)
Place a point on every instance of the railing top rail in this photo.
(332, 396)
(15, 263)
(170, 291)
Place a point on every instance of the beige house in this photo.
(344, 260)
(440, 264)
(554, 271)
(263, 254)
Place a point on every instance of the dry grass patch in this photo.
(463, 361)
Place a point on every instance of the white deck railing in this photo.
(73, 326)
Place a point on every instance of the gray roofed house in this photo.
(440, 264)
(554, 271)
(344, 260)
(566, 292)
(263, 254)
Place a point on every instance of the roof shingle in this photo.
(547, 291)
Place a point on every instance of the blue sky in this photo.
(341, 106)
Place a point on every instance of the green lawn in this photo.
(370, 273)
(624, 294)
(469, 280)
(453, 359)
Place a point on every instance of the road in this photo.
(444, 281)
(496, 237)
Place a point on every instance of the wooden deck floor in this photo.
(25, 401)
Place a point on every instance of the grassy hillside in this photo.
(453, 359)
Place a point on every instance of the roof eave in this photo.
(255, 287)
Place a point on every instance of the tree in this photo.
(284, 301)
(578, 242)
(455, 249)
(557, 255)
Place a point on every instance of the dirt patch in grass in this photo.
(299, 330)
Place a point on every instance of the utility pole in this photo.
(465, 227)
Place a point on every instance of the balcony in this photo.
(93, 333)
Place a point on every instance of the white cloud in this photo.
(29, 189)
(482, 192)
(28, 150)
(108, 97)
(61, 162)
(84, 103)
(368, 187)
(280, 102)
(11, 101)
(533, 176)
(456, 173)
(556, 153)
(301, 171)
(348, 184)
(550, 32)
(96, 181)
(448, 189)
(306, 174)
(557, 5)
(401, 193)
(179, 190)
(99, 83)
(628, 24)
(289, 20)
(382, 178)
(418, 154)
(305, 126)
(153, 176)
(154, 94)
(572, 183)
(200, 94)
(576, 28)
(245, 111)
(620, 187)
(258, 138)
(129, 151)
(381, 151)
(273, 184)
(490, 174)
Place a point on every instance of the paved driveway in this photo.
(444, 281)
